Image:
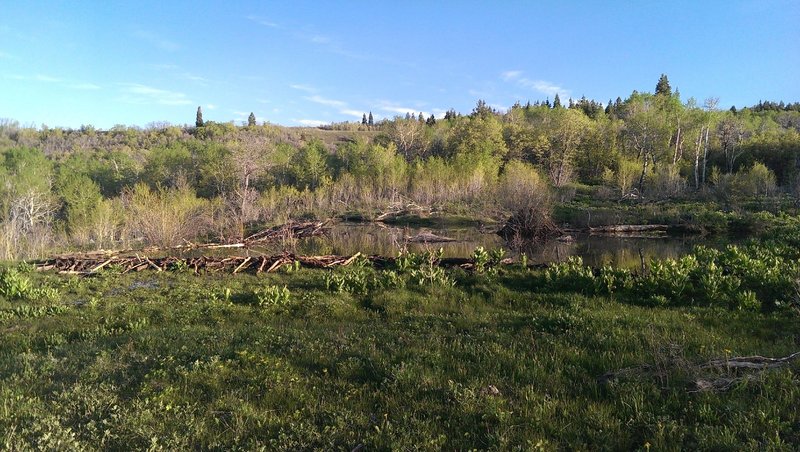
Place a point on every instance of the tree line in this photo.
(163, 184)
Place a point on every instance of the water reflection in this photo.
(349, 238)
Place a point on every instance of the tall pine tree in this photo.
(199, 120)
(251, 120)
(662, 87)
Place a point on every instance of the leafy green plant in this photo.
(14, 285)
(272, 296)
(179, 266)
(571, 275)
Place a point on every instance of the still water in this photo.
(595, 250)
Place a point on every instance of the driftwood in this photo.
(721, 374)
(428, 237)
(398, 210)
(629, 228)
(89, 264)
(288, 230)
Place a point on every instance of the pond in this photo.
(371, 238)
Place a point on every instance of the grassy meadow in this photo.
(411, 358)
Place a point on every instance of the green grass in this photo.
(177, 361)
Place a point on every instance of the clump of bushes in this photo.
(748, 278)
(14, 285)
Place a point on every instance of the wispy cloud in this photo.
(157, 40)
(84, 86)
(262, 21)
(310, 122)
(542, 86)
(306, 88)
(350, 112)
(46, 78)
(397, 109)
(5, 55)
(325, 101)
(142, 94)
(165, 66)
(195, 78)
(211, 106)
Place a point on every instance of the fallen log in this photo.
(399, 210)
(87, 266)
(288, 230)
(628, 228)
(718, 374)
(429, 237)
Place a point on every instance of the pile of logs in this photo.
(289, 230)
(630, 229)
(88, 264)
(399, 209)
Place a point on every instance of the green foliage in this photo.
(152, 364)
(740, 278)
(272, 296)
(14, 285)
(487, 262)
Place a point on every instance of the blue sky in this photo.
(68, 63)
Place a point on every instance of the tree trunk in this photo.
(697, 160)
(705, 156)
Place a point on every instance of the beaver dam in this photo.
(324, 244)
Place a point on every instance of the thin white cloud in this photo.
(310, 122)
(404, 110)
(142, 94)
(306, 88)
(84, 86)
(211, 106)
(165, 67)
(349, 112)
(262, 21)
(241, 114)
(319, 39)
(325, 101)
(157, 40)
(195, 78)
(542, 86)
(6, 55)
(46, 78)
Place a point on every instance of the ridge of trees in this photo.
(84, 182)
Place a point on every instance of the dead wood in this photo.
(718, 374)
(629, 228)
(91, 264)
(429, 237)
(400, 209)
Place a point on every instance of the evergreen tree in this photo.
(431, 121)
(662, 87)
(199, 121)
(364, 119)
(557, 102)
(369, 120)
(251, 120)
(420, 117)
